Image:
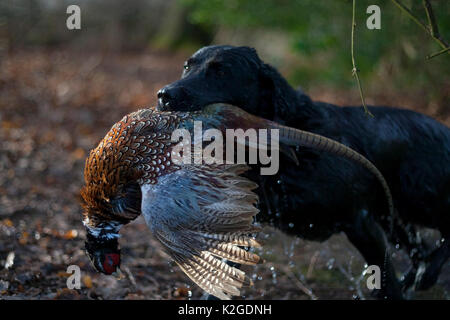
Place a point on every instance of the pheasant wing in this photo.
(203, 215)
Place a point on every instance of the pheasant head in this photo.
(201, 213)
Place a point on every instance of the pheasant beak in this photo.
(118, 274)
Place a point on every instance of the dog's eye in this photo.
(186, 66)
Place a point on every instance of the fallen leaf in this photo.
(78, 153)
(63, 274)
(8, 223)
(24, 238)
(181, 292)
(87, 281)
(71, 234)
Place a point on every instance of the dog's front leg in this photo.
(408, 237)
(429, 269)
(369, 238)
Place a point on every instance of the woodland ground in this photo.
(55, 105)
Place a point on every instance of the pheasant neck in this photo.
(104, 231)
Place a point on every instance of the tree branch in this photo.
(433, 26)
(438, 53)
(431, 20)
(355, 69)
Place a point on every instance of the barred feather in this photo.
(201, 226)
(215, 276)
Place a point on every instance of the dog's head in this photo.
(234, 75)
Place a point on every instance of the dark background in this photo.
(61, 90)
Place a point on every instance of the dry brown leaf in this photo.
(8, 223)
(87, 281)
(71, 234)
(24, 238)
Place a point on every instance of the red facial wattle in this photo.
(112, 260)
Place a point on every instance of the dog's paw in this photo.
(408, 279)
(426, 276)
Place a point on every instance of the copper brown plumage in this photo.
(135, 149)
(201, 213)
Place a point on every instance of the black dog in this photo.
(324, 194)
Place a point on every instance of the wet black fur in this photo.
(326, 194)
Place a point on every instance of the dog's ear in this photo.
(274, 92)
(251, 56)
(248, 52)
(279, 101)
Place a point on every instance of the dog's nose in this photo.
(165, 99)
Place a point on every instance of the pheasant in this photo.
(202, 214)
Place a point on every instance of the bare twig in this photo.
(438, 53)
(300, 284)
(355, 69)
(130, 277)
(356, 281)
(432, 30)
(312, 264)
(431, 20)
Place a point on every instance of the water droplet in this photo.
(279, 181)
(291, 225)
(330, 263)
(311, 225)
(10, 260)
